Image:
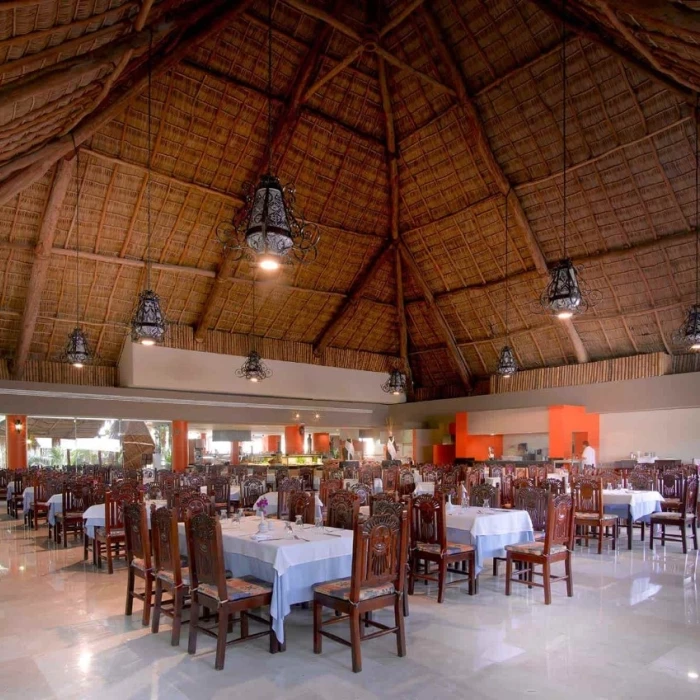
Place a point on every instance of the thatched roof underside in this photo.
(77, 68)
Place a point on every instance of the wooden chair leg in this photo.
(651, 536)
(108, 548)
(405, 595)
(509, 572)
(684, 536)
(600, 539)
(245, 630)
(146, 616)
(221, 638)
(569, 577)
(130, 583)
(495, 566)
(399, 624)
(442, 575)
(355, 641)
(194, 623)
(695, 533)
(663, 535)
(85, 546)
(178, 601)
(155, 622)
(318, 616)
(547, 582)
(411, 576)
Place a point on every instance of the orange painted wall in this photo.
(16, 442)
(476, 446)
(293, 440)
(443, 454)
(180, 446)
(235, 459)
(565, 420)
(272, 443)
(321, 442)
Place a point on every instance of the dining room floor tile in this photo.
(632, 630)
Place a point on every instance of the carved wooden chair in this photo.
(377, 581)
(556, 547)
(390, 479)
(75, 500)
(138, 559)
(332, 473)
(507, 490)
(396, 508)
(306, 476)
(16, 501)
(522, 483)
(588, 503)
(284, 491)
(240, 474)
(672, 487)
(384, 497)
(168, 571)
(260, 473)
(363, 491)
(407, 482)
(210, 588)
(554, 486)
(430, 473)
(429, 545)
(343, 510)
(302, 503)
(4, 481)
(328, 487)
(538, 473)
(281, 473)
(43, 490)
(251, 489)
(366, 477)
(112, 536)
(189, 504)
(473, 476)
(483, 493)
(610, 477)
(219, 490)
(687, 515)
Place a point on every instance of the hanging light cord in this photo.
(697, 204)
(563, 110)
(150, 161)
(269, 86)
(77, 230)
(506, 270)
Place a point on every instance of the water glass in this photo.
(299, 522)
(609, 487)
(288, 531)
(487, 503)
(318, 523)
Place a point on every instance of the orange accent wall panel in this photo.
(564, 421)
(272, 443)
(321, 442)
(476, 446)
(293, 440)
(443, 454)
(16, 442)
(180, 446)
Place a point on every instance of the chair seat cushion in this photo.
(69, 516)
(535, 548)
(670, 517)
(340, 588)
(167, 576)
(139, 564)
(539, 535)
(595, 516)
(452, 548)
(238, 588)
(102, 532)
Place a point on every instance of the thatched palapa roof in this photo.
(402, 124)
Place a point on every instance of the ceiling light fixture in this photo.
(148, 324)
(77, 350)
(253, 368)
(396, 384)
(688, 335)
(507, 366)
(268, 231)
(566, 294)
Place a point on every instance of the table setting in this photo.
(94, 516)
(631, 506)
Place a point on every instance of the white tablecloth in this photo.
(94, 516)
(489, 530)
(292, 566)
(638, 504)
(27, 497)
(424, 487)
(55, 506)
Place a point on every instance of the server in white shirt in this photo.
(588, 455)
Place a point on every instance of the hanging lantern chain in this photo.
(563, 113)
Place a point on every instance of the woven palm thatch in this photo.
(402, 124)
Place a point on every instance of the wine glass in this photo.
(288, 531)
(299, 522)
(487, 503)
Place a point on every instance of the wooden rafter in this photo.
(193, 28)
(446, 330)
(286, 124)
(42, 262)
(477, 132)
(593, 33)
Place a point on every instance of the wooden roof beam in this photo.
(475, 128)
(40, 267)
(193, 28)
(286, 124)
(353, 299)
(447, 334)
(400, 17)
(329, 18)
(593, 33)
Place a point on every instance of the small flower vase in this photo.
(262, 527)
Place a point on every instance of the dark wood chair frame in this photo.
(138, 549)
(343, 510)
(688, 515)
(588, 501)
(302, 503)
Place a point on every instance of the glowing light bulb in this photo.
(253, 379)
(695, 346)
(269, 264)
(78, 365)
(565, 314)
(148, 342)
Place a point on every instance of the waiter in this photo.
(588, 455)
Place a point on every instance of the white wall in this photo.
(189, 370)
(673, 433)
(512, 420)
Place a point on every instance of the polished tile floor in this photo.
(631, 631)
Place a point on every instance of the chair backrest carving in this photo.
(389, 508)
(219, 487)
(642, 480)
(588, 495)
(428, 524)
(376, 498)
(690, 495)
(166, 548)
(302, 503)
(554, 486)
(251, 489)
(560, 522)
(281, 473)
(407, 482)
(285, 489)
(534, 501)
(671, 483)
(138, 543)
(343, 510)
(363, 491)
(206, 553)
(327, 487)
(481, 493)
(306, 476)
(191, 503)
(390, 478)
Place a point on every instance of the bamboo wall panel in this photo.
(689, 362)
(59, 373)
(618, 369)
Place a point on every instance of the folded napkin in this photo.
(262, 536)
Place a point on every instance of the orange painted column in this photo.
(235, 458)
(180, 446)
(321, 442)
(294, 439)
(272, 443)
(16, 431)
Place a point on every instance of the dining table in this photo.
(631, 506)
(292, 561)
(27, 498)
(94, 516)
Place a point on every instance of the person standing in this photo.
(588, 455)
